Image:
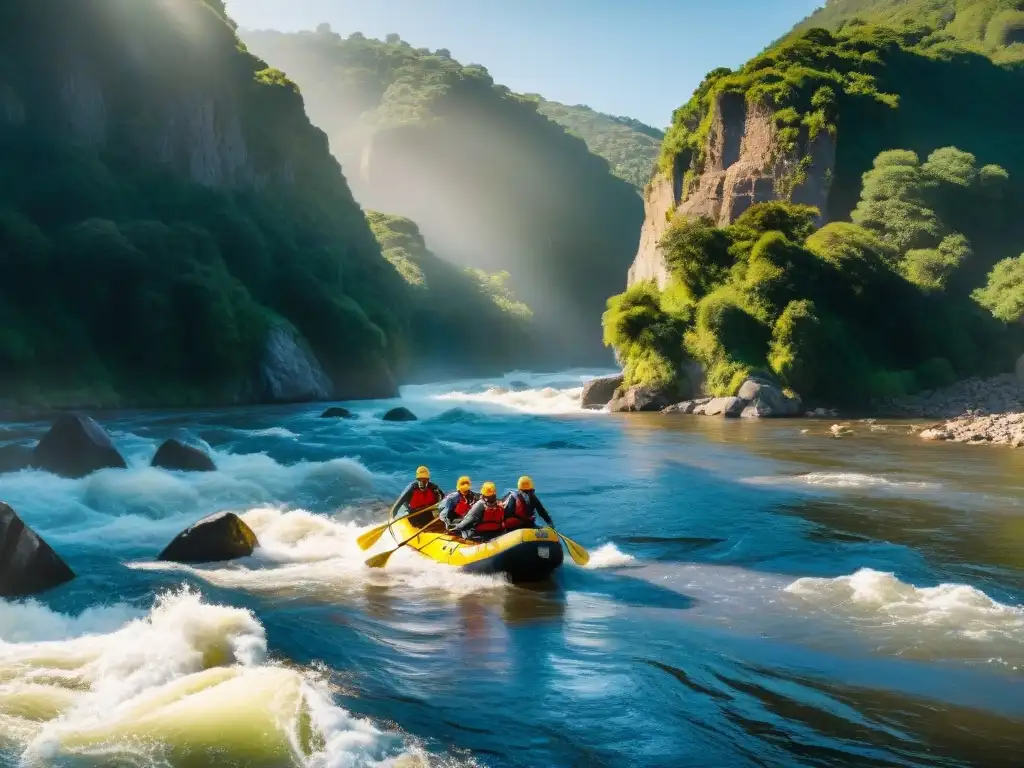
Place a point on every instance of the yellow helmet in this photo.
(488, 489)
(525, 484)
(422, 473)
(464, 483)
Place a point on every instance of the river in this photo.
(759, 594)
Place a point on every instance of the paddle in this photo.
(579, 555)
(372, 536)
(379, 561)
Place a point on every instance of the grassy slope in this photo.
(993, 27)
(629, 146)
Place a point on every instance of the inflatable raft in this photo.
(528, 554)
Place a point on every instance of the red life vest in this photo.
(521, 513)
(462, 505)
(492, 521)
(422, 497)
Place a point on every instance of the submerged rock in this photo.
(518, 386)
(639, 398)
(597, 393)
(174, 454)
(28, 565)
(14, 458)
(222, 536)
(75, 446)
(337, 412)
(840, 430)
(400, 414)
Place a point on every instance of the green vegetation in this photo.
(630, 147)
(993, 27)
(164, 201)
(849, 313)
(493, 184)
(461, 321)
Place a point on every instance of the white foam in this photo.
(609, 556)
(842, 480)
(315, 555)
(186, 678)
(948, 618)
(273, 432)
(546, 400)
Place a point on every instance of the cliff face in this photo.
(163, 198)
(742, 166)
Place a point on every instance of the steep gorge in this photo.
(491, 182)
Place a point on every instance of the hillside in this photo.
(462, 322)
(173, 229)
(992, 27)
(629, 146)
(492, 183)
(909, 147)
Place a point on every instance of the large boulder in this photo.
(1020, 371)
(337, 412)
(597, 393)
(221, 536)
(639, 398)
(730, 407)
(15, 457)
(76, 446)
(400, 414)
(174, 454)
(766, 399)
(289, 371)
(27, 564)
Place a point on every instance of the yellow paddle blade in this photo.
(372, 536)
(579, 555)
(379, 561)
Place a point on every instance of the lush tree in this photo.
(1004, 293)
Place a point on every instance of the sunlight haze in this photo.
(639, 59)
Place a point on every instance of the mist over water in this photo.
(757, 594)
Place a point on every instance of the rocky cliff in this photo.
(164, 201)
(742, 165)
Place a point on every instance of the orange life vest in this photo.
(492, 521)
(422, 497)
(521, 514)
(462, 506)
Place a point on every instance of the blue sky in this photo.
(640, 58)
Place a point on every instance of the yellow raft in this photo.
(527, 554)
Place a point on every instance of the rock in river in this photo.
(400, 414)
(222, 536)
(337, 412)
(76, 446)
(174, 454)
(639, 398)
(27, 564)
(597, 393)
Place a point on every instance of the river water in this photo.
(759, 594)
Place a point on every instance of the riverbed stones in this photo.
(176, 455)
(28, 565)
(597, 393)
(400, 414)
(337, 412)
(639, 398)
(996, 429)
(76, 446)
(756, 398)
(221, 536)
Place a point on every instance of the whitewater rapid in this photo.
(159, 663)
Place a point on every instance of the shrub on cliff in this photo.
(841, 315)
(1003, 295)
(647, 337)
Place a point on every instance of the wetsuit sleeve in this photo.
(474, 516)
(403, 499)
(446, 508)
(539, 509)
